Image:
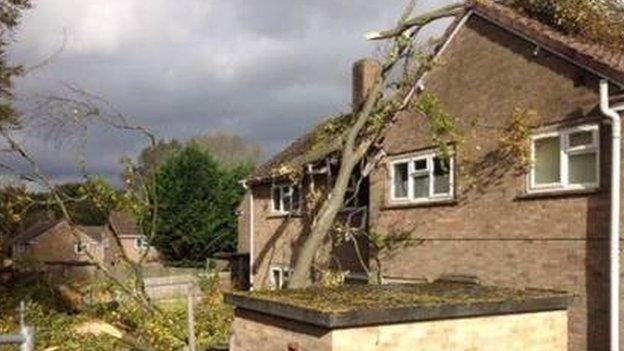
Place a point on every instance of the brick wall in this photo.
(541, 331)
(277, 238)
(494, 232)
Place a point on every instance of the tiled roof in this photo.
(298, 148)
(599, 58)
(606, 61)
(34, 231)
(96, 233)
(123, 224)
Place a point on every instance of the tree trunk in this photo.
(355, 146)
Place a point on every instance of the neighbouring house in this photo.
(478, 215)
(134, 243)
(51, 246)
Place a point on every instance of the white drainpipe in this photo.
(251, 233)
(616, 131)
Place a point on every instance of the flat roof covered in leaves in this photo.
(357, 305)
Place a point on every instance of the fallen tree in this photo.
(385, 99)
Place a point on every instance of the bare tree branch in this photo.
(419, 21)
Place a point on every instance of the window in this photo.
(279, 277)
(422, 178)
(141, 243)
(81, 248)
(285, 199)
(566, 160)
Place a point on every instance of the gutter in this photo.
(612, 112)
(251, 232)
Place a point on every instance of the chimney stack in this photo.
(365, 72)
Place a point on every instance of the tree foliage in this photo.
(196, 211)
(10, 15)
(601, 21)
(229, 150)
(154, 157)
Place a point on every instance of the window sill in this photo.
(284, 215)
(431, 203)
(559, 193)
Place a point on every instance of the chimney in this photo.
(365, 72)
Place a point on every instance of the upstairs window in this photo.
(80, 249)
(565, 160)
(285, 199)
(423, 178)
(141, 243)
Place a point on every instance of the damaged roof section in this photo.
(323, 140)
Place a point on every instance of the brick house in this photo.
(129, 234)
(547, 227)
(50, 246)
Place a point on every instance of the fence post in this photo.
(190, 313)
(27, 333)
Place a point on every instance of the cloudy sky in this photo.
(266, 70)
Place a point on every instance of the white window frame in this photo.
(565, 151)
(282, 273)
(429, 156)
(141, 243)
(284, 190)
(81, 248)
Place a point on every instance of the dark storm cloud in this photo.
(267, 70)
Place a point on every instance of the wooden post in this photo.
(190, 314)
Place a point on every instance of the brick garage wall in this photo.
(542, 331)
(493, 232)
(260, 332)
(545, 331)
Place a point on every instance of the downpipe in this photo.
(251, 233)
(614, 230)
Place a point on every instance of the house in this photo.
(51, 246)
(547, 226)
(130, 236)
